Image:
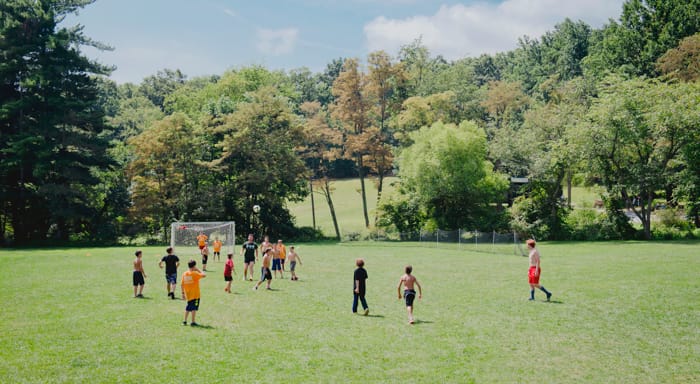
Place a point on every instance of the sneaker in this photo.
(269, 289)
(549, 295)
(194, 324)
(366, 311)
(531, 299)
(140, 296)
(184, 323)
(255, 288)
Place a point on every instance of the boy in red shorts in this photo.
(533, 273)
(228, 268)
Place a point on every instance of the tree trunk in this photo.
(380, 186)
(327, 193)
(360, 169)
(313, 205)
(569, 177)
(646, 219)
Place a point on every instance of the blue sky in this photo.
(209, 36)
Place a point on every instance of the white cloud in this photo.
(469, 30)
(277, 41)
(230, 12)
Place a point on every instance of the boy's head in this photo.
(360, 263)
(191, 263)
(138, 253)
(230, 255)
(250, 237)
(266, 251)
(169, 250)
(408, 269)
(292, 247)
(530, 243)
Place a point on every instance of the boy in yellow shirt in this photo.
(190, 290)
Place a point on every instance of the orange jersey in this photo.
(190, 284)
(281, 251)
(202, 239)
(217, 245)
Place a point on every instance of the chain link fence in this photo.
(488, 242)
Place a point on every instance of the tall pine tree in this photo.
(50, 122)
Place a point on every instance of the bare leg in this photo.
(194, 313)
(410, 314)
(135, 290)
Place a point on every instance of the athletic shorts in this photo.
(531, 275)
(201, 246)
(204, 259)
(138, 278)
(192, 305)
(292, 265)
(265, 274)
(282, 261)
(248, 260)
(171, 278)
(217, 253)
(228, 278)
(409, 295)
(276, 266)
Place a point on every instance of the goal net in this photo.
(183, 237)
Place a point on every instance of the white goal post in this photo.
(183, 236)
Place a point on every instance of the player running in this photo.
(251, 255)
(409, 294)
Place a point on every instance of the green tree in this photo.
(447, 171)
(51, 121)
(259, 165)
(646, 30)
(639, 129)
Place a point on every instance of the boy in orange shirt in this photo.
(190, 290)
(217, 249)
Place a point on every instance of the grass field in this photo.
(348, 204)
(621, 313)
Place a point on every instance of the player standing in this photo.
(139, 275)
(228, 268)
(190, 290)
(534, 272)
(293, 258)
(281, 253)
(202, 240)
(217, 249)
(251, 255)
(409, 294)
(172, 262)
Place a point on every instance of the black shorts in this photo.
(192, 305)
(138, 278)
(228, 278)
(265, 274)
(409, 295)
(204, 259)
(249, 259)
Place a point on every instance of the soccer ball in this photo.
(256, 208)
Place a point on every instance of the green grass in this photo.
(621, 313)
(348, 204)
(347, 200)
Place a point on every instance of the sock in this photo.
(544, 290)
(532, 294)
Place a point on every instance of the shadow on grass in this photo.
(417, 321)
(144, 298)
(553, 302)
(200, 326)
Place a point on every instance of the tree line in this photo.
(85, 159)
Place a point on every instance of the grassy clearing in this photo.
(348, 204)
(347, 200)
(621, 312)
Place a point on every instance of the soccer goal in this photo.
(183, 236)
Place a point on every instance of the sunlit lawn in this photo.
(621, 313)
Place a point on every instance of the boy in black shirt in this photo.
(359, 286)
(171, 263)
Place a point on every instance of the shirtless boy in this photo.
(139, 275)
(409, 293)
(265, 273)
(534, 272)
